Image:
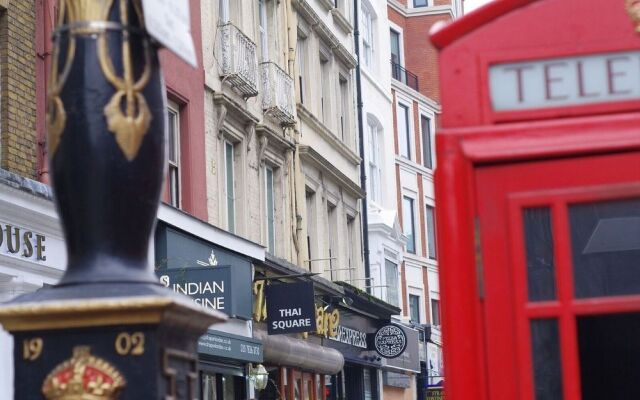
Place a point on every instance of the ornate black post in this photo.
(108, 330)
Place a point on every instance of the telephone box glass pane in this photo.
(605, 240)
(609, 356)
(545, 347)
(541, 283)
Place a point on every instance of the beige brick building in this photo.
(18, 137)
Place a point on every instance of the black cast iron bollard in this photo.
(108, 330)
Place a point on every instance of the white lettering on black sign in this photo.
(291, 321)
(351, 337)
(202, 293)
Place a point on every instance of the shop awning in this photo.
(289, 352)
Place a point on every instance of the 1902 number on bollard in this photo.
(32, 348)
(130, 343)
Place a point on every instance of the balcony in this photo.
(277, 93)
(399, 73)
(239, 60)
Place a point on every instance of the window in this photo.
(427, 155)
(435, 312)
(229, 185)
(408, 223)
(395, 55)
(270, 209)
(264, 30)
(373, 180)
(420, 3)
(325, 88)
(332, 231)
(224, 11)
(174, 155)
(301, 55)
(431, 232)
(351, 251)
(391, 275)
(311, 225)
(414, 308)
(344, 106)
(367, 36)
(404, 131)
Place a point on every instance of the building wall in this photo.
(415, 178)
(330, 153)
(260, 141)
(18, 138)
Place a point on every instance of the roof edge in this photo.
(443, 36)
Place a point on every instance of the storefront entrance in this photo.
(222, 387)
(560, 245)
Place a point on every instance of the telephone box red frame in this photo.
(475, 142)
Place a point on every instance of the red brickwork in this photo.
(422, 60)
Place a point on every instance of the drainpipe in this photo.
(363, 176)
(299, 198)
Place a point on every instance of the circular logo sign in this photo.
(390, 341)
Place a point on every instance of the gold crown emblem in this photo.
(83, 377)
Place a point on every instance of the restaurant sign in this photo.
(351, 337)
(390, 341)
(290, 308)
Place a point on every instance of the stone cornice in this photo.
(306, 116)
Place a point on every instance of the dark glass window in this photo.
(395, 47)
(605, 241)
(420, 3)
(435, 312)
(431, 233)
(545, 350)
(538, 237)
(609, 356)
(427, 156)
(408, 223)
(414, 308)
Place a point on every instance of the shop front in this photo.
(399, 375)
(220, 279)
(32, 251)
(293, 316)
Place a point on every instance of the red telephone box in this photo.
(538, 192)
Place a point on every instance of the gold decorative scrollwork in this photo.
(132, 124)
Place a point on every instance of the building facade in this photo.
(415, 98)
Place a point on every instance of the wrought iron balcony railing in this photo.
(239, 60)
(277, 93)
(399, 73)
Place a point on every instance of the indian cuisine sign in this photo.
(566, 81)
(290, 308)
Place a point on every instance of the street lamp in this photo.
(259, 376)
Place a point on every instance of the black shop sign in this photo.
(214, 277)
(290, 308)
(390, 341)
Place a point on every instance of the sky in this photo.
(470, 5)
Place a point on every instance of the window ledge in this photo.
(342, 21)
(326, 133)
(328, 4)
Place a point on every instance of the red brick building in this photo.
(416, 106)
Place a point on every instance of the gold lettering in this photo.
(130, 344)
(259, 301)
(32, 348)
